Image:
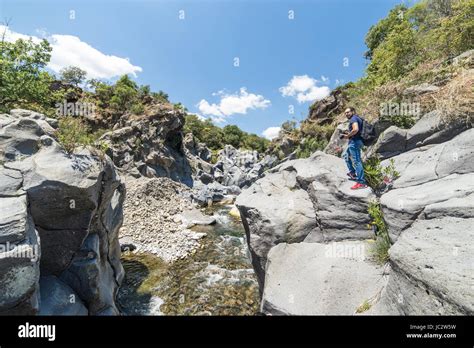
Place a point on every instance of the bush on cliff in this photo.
(73, 133)
(23, 82)
(378, 176)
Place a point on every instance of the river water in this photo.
(217, 279)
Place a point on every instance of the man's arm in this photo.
(354, 130)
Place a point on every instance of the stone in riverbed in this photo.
(193, 217)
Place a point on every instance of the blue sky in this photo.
(193, 59)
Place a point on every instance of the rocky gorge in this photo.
(62, 212)
(255, 232)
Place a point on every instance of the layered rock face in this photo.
(151, 144)
(310, 245)
(59, 224)
(430, 214)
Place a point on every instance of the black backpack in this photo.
(368, 133)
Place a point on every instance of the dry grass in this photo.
(456, 99)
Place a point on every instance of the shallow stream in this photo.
(217, 279)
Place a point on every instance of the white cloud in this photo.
(69, 50)
(271, 132)
(304, 89)
(230, 104)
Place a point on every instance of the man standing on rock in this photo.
(352, 154)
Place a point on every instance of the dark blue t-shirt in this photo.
(352, 120)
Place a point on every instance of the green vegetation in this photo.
(376, 175)
(411, 46)
(123, 96)
(364, 307)
(73, 133)
(308, 146)
(23, 82)
(307, 138)
(314, 137)
(216, 138)
(431, 29)
(73, 75)
(382, 242)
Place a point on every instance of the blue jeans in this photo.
(354, 161)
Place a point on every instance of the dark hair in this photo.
(352, 109)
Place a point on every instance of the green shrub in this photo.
(310, 145)
(137, 108)
(382, 241)
(364, 307)
(376, 175)
(233, 135)
(395, 56)
(402, 121)
(73, 133)
(72, 75)
(23, 81)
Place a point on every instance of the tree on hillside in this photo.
(161, 96)
(380, 31)
(23, 82)
(125, 93)
(395, 56)
(254, 142)
(72, 75)
(233, 135)
(194, 125)
(213, 137)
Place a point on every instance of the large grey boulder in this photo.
(320, 279)
(429, 175)
(390, 143)
(71, 199)
(275, 210)
(302, 200)
(431, 270)
(430, 214)
(240, 168)
(428, 130)
(401, 207)
(151, 144)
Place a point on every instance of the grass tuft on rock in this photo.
(382, 242)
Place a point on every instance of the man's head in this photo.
(349, 112)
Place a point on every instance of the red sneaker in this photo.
(358, 185)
